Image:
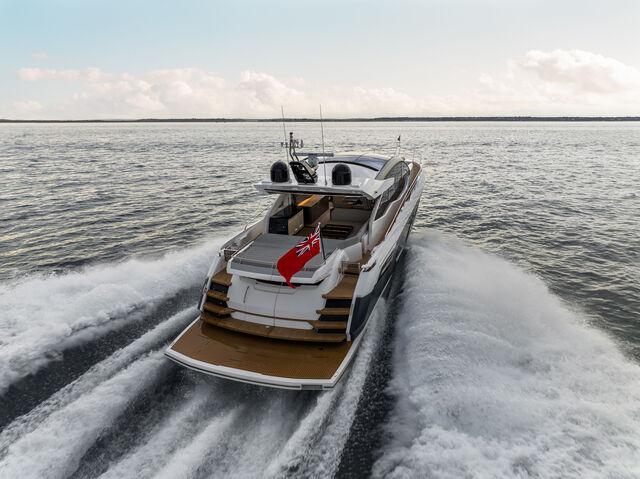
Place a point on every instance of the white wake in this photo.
(315, 448)
(171, 435)
(54, 449)
(495, 377)
(93, 377)
(41, 316)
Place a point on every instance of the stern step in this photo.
(329, 324)
(216, 309)
(333, 311)
(274, 332)
(222, 278)
(344, 289)
(220, 296)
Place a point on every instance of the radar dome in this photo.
(341, 175)
(279, 172)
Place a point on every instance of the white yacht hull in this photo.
(254, 347)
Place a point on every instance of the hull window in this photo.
(399, 173)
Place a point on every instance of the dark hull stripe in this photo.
(364, 305)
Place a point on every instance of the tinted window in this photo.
(399, 173)
(370, 162)
(374, 163)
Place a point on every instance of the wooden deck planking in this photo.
(329, 324)
(333, 311)
(222, 277)
(344, 289)
(296, 360)
(217, 295)
(215, 309)
(273, 332)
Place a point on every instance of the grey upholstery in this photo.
(264, 252)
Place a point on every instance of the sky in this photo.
(91, 59)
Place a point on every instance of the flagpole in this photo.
(321, 242)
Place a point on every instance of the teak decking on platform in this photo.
(272, 332)
(289, 359)
(344, 289)
(222, 277)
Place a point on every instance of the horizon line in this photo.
(354, 119)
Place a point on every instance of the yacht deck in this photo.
(224, 348)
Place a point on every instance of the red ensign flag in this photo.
(294, 260)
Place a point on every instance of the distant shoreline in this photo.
(345, 120)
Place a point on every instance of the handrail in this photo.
(229, 253)
(262, 212)
(365, 267)
(404, 197)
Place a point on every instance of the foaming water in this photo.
(186, 461)
(168, 439)
(42, 316)
(41, 453)
(496, 377)
(315, 448)
(98, 374)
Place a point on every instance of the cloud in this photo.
(558, 82)
(564, 82)
(37, 74)
(160, 93)
(193, 92)
(262, 92)
(27, 106)
(39, 56)
(585, 71)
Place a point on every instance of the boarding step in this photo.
(333, 311)
(217, 295)
(338, 303)
(216, 309)
(273, 332)
(222, 278)
(329, 325)
(352, 269)
(356, 268)
(344, 289)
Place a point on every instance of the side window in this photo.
(399, 173)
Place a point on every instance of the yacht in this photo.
(301, 332)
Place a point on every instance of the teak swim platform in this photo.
(263, 357)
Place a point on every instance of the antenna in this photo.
(324, 163)
(284, 130)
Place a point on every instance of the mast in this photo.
(324, 163)
(284, 131)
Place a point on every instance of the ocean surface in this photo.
(509, 346)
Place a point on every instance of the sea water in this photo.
(509, 345)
